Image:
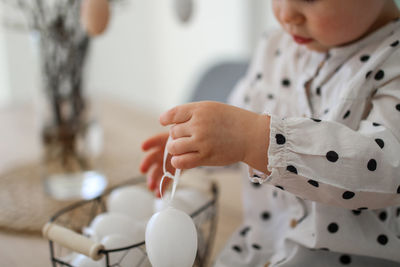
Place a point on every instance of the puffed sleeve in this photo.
(328, 162)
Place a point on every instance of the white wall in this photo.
(146, 57)
(150, 59)
(4, 74)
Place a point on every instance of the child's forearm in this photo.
(256, 155)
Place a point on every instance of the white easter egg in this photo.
(124, 258)
(187, 200)
(115, 223)
(134, 201)
(171, 239)
(193, 198)
(164, 203)
(83, 261)
(95, 15)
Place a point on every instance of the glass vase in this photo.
(70, 136)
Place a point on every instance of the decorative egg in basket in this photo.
(171, 239)
(185, 199)
(134, 201)
(115, 223)
(110, 238)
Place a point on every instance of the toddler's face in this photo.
(322, 24)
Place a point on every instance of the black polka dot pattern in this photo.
(333, 228)
(375, 124)
(318, 91)
(398, 189)
(280, 139)
(245, 231)
(356, 212)
(364, 58)
(270, 96)
(371, 165)
(398, 107)
(265, 215)
(379, 75)
(332, 156)
(313, 183)
(382, 239)
(259, 76)
(346, 115)
(380, 142)
(383, 216)
(291, 168)
(286, 82)
(348, 195)
(316, 120)
(256, 246)
(280, 187)
(345, 259)
(368, 74)
(237, 248)
(395, 43)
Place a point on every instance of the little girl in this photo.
(317, 121)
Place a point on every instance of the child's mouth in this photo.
(301, 40)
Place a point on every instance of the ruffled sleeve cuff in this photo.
(277, 153)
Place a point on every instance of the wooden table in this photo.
(133, 126)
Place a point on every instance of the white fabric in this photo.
(334, 155)
(167, 174)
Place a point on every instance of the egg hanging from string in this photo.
(184, 9)
(95, 15)
(171, 239)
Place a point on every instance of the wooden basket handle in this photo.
(72, 240)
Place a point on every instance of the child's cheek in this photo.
(328, 32)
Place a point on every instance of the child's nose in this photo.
(290, 15)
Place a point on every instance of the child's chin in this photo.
(317, 47)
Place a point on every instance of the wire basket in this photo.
(71, 220)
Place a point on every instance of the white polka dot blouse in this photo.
(333, 195)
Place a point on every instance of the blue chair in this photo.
(218, 81)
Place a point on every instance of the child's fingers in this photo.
(181, 146)
(180, 130)
(154, 176)
(155, 156)
(158, 140)
(175, 115)
(186, 161)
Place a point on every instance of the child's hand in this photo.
(216, 134)
(152, 164)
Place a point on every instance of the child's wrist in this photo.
(256, 152)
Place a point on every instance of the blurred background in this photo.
(147, 57)
(147, 61)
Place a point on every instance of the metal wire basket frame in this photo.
(97, 205)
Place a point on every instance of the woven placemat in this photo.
(25, 207)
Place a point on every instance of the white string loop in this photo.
(168, 174)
